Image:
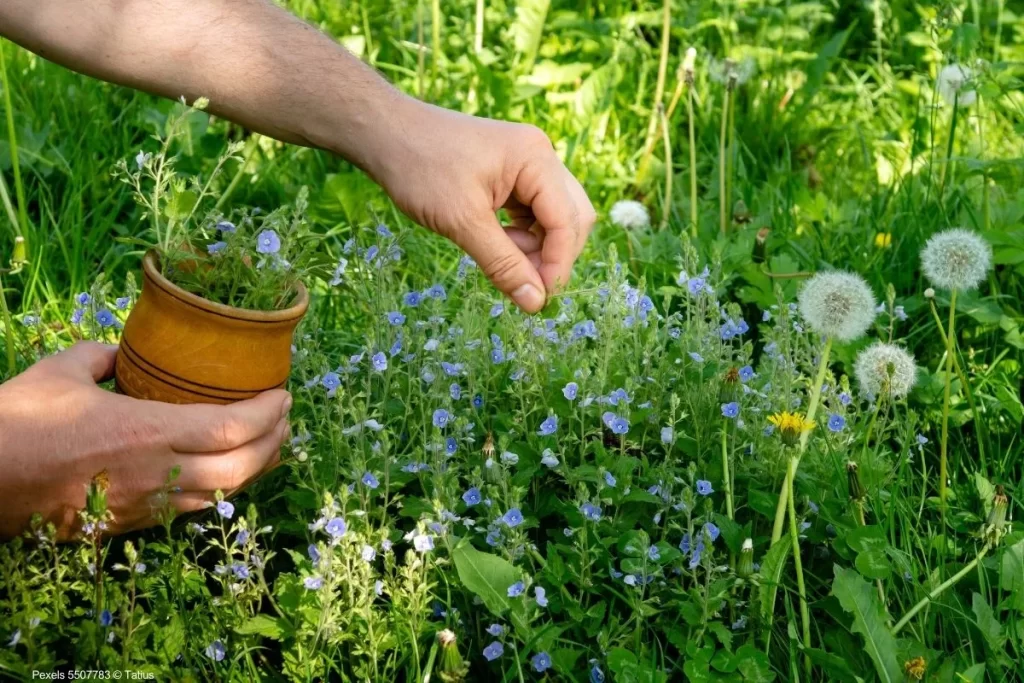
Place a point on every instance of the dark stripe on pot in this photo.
(149, 369)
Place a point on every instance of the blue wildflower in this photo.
(106, 618)
(472, 497)
(313, 583)
(548, 458)
(396, 318)
(512, 518)
(697, 358)
(845, 398)
(667, 435)
(267, 242)
(331, 381)
(216, 247)
(380, 361)
(412, 299)
(83, 298)
(495, 630)
(516, 589)
(548, 426)
(541, 662)
(441, 418)
(653, 553)
(370, 481)
(570, 390)
(493, 651)
(730, 409)
(836, 422)
(423, 543)
(225, 509)
(746, 373)
(314, 554)
(451, 445)
(497, 356)
(609, 479)
(704, 487)
(336, 527)
(455, 391)
(541, 596)
(591, 512)
(712, 531)
(478, 401)
(596, 675)
(105, 318)
(497, 309)
(437, 292)
(216, 651)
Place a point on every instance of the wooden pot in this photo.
(180, 348)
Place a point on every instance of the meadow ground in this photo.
(628, 485)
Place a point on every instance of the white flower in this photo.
(950, 83)
(885, 369)
(837, 304)
(629, 214)
(731, 72)
(956, 259)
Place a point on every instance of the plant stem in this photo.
(721, 161)
(435, 30)
(693, 163)
(659, 89)
(8, 331)
(478, 29)
(794, 536)
(812, 410)
(667, 208)
(12, 139)
(725, 471)
(979, 423)
(949, 146)
(944, 445)
(941, 588)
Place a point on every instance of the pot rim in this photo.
(152, 271)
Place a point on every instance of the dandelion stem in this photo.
(727, 482)
(721, 161)
(944, 444)
(693, 163)
(8, 331)
(979, 423)
(794, 535)
(940, 589)
(859, 505)
(949, 146)
(667, 208)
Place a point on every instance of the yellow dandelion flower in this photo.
(915, 668)
(791, 426)
(883, 240)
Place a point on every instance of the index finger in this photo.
(200, 428)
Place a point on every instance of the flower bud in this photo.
(929, 293)
(20, 252)
(453, 668)
(853, 478)
(745, 569)
(730, 386)
(689, 62)
(302, 456)
(995, 525)
(740, 213)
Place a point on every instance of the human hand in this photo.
(451, 173)
(58, 430)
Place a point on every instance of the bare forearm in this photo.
(258, 65)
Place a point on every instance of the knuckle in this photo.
(534, 136)
(501, 266)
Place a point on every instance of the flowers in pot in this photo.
(221, 294)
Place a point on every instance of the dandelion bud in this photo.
(629, 215)
(837, 304)
(740, 213)
(745, 568)
(453, 668)
(96, 495)
(730, 386)
(929, 293)
(488, 449)
(995, 525)
(885, 369)
(853, 478)
(20, 252)
(302, 456)
(689, 62)
(956, 259)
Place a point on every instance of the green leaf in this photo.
(836, 668)
(973, 674)
(859, 598)
(1011, 575)
(528, 28)
(866, 538)
(180, 205)
(987, 623)
(723, 634)
(487, 576)
(262, 625)
(771, 575)
(754, 665)
(873, 564)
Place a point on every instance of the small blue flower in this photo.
(369, 554)
(653, 553)
(730, 409)
(396, 318)
(541, 662)
(548, 458)
(495, 630)
(122, 302)
(493, 651)
(497, 356)
(423, 543)
(570, 390)
(697, 358)
(845, 398)
(106, 618)
(712, 531)
(380, 361)
(497, 309)
(836, 422)
(472, 497)
(371, 253)
(313, 583)
(267, 242)
(331, 381)
(412, 299)
(314, 554)
(437, 292)
(921, 439)
(548, 426)
(105, 318)
(441, 418)
(451, 369)
(451, 445)
(225, 509)
(667, 435)
(83, 298)
(591, 511)
(516, 589)
(370, 481)
(704, 487)
(216, 651)
(746, 373)
(684, 545)
(541, 596)
(609, 479)
(240, 570)
(596, 675)
(478, 401)
(216, 247)
(619, 425)
(455, 391)
(512, 518)
(336, 527)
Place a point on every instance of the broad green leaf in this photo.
(835, 667)
(973, 674)
(866, 538)
(873, 564)
(488, 576)
(859, 598)
(754, 665)
(1011, 575)
(723, 634)
(771, 575)
(180, 205)
(987, 623)
(528, 28)
(262, 625)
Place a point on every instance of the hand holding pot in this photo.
(58, 429)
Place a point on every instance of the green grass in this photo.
(837, 140)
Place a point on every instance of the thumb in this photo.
(87, 361)
(504, 264)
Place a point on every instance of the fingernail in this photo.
(528, 298)
(286, 406)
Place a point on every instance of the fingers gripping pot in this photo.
(180, 348)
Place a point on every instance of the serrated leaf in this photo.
(771, 575)
(859, 598)
(528, 28)
(987, 623)
(723, 634)
(487, 576)
(261, 625)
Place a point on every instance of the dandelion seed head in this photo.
(837, 304)
(956, 259)
(885, 369)
(951, 81)
(629, 214)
